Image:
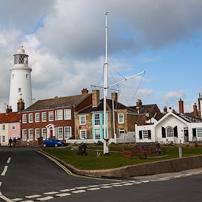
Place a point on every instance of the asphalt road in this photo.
(27, 175)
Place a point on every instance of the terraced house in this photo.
(10, 123)
(53, 117)
(90, 121)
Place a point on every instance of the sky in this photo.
(65, 41)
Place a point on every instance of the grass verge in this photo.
(115, 160)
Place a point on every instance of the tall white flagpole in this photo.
(106, 148)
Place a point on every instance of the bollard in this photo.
(180, 152)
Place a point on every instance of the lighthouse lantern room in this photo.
(20, 81)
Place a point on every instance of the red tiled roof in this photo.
(10, 117)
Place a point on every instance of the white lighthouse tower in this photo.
(20, 83)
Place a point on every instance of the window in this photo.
(27, 76)
(37, 133)
(97, 120)
(44, 133)
(31, 118)
(24, 135)
(97, 133)
(67, 114)
(19, 90)
(3, 139)
(120, 118)
(82, 120)
(37, 117)
(24, 118)
(43, 116)
(121, 130)
(3, 127)
(30, 134)
(82, 134)
(13, 126)
(12, 76)
(50, 114)
(199, 132)
(68, 132)
(170, 131)
(59, 115)
(60, 133)
(145, 134)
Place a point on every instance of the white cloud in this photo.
(65, 40)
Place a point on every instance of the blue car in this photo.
(52, 142)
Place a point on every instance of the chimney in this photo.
(165, 109)
(84, 91)
(95, 97)
(8, 109)
(139, 103)
(195, 109)
(199, 107)
(20, 105)
(181, 107)
(114, 96)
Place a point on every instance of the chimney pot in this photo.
(181, 107)
(84, 91)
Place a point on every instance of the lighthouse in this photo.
(20, 81)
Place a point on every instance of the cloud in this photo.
(65, 41)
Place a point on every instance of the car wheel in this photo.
(44, 145)
(56, 145)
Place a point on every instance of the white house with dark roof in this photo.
(171, 128)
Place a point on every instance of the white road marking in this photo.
(33, 196)
(27, 201)
(17, 199)
(127, 184)
(53, 192)
(93, 189)
(5, 198)
(79, 191)
(106, 187)
(117, 185)
(93, 185)
(45, 198)
(9, 159)
(72, 189)
(64, 194)
(145, 181)
(4, 171)
(64, 190)
(81, 187)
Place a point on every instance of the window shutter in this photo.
(194, 132)
(140, 134)
(163, 132)
(149, 134)
(175, 131)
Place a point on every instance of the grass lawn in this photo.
(115, 160)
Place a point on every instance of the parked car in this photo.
(52, 142)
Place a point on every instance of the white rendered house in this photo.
(171, 128)
(20, 81)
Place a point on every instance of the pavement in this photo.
(168, 176)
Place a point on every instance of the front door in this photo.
(51, 133)
(186, 136)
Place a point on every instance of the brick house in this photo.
(53, 117)
(147, 111)
(120, 119)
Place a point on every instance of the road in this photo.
(27, 175)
